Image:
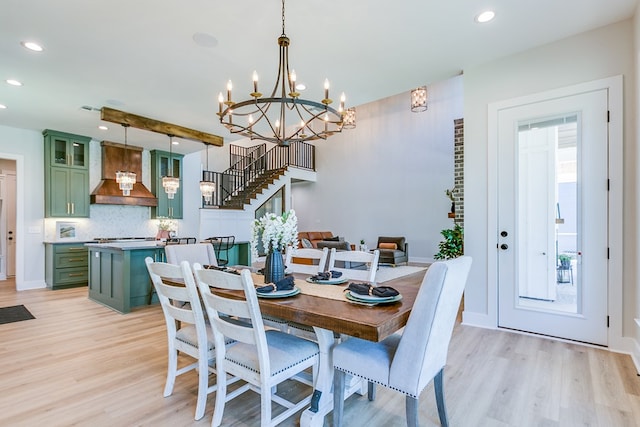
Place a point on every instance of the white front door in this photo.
(552, 217)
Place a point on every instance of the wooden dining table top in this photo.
(373, 323)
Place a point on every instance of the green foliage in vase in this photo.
(453, 244)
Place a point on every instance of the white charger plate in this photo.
(280, 294)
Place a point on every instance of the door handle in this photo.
(504, 246)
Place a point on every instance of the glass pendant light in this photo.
(125, 179)
(170, 183)
(207, 187)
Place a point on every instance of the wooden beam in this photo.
(144, 123)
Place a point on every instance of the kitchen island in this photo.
(118, 276)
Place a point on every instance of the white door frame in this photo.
(614, 86)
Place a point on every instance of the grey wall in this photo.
(387, 176)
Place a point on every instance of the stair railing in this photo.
(249, 164)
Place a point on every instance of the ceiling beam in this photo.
(144, 123)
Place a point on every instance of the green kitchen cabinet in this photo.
(66, 265)
(118, 278)
(66, 175)
(160, 167)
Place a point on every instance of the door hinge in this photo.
(608, 253)
(608, 185)
(607, 321)
(608, 116)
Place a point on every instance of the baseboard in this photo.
(479, 320)
(36, 284)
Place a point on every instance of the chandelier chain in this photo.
(283, 33)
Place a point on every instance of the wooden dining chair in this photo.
(407, 362)
(365, 263)
(181, 306)
(262, 358)
(315, 260)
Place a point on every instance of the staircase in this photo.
(250, 192)
(253, 170)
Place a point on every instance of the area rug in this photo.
(16, 313)
(386, 273)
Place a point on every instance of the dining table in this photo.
(331, 315)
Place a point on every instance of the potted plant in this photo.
(565, 261)
(453, 244)
(363, 246)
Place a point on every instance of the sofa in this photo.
(312, 237)
(393, 250)
(318, 240)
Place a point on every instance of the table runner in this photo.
(335, 292)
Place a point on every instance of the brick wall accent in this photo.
(458, 169)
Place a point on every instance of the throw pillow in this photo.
(392, 246)
(306, 243)
(332, 239)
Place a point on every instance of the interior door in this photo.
(552, 217)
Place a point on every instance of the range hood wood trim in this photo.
(145, 123)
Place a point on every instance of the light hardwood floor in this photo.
(79, 363)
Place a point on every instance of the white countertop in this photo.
(129, 245)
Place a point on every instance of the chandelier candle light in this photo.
(170, 183)
(125, 179)
(266, 118)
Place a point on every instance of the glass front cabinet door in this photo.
(164, 164)
(66, 174)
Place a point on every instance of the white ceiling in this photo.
(140, 56)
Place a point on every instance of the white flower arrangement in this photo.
(167, 225)
(276, 232)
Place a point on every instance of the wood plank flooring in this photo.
(79, 363)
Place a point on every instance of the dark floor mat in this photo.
(15, 313)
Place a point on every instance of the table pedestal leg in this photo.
(322, 401)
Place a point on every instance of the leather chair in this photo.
(394, 250)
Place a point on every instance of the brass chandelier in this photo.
(283, 117)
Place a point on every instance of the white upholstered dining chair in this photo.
(407, 362)
(262, 358)
(193, 337)
(202, 253)
(318, 258)
(369, 260)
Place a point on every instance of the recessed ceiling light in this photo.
(103, 127)
(32, 46)
(485, 16)
(301, 86)
(3, 107)
(13, 82)
(174, 142)
(205, 40)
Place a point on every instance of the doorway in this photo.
(7, 219)
(554, 213)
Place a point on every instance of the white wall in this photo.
(634, 179)
(597, 54)
(387, 176)
(26, 147)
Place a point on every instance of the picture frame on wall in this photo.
(65, 230)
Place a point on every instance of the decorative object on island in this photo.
(166, 229)
(169, 182)
(276, 232)
(419, 99)
(207, 187)
(125, 179)
(453, 244)
(363, 246)
(266, 118)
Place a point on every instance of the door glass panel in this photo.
(60, 151)
(176, 168)
(78, 154)
(164, 166)
(548, 244)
